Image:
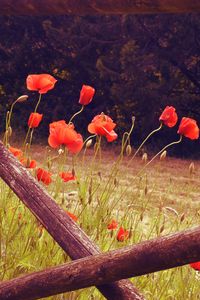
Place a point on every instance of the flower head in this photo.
(103, 125)
(34, 120)
(67, 176)
(65, 134)
(28, 163)
(86, 94)
(189, 128)
(40, 82)
(122, 234)
(169, 116)
(15, 151)
(112, 225)
(195, 266)
(72, 216)
(44, 176)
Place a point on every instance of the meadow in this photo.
(117, 197)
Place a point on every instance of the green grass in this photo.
(163, 199)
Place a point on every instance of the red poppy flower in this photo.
(72, 216)
(64, 134)
(86, 94)
(112, 225)
(67, 176)
(195, 266)
(122, 234)
(189, 128)
(34, 120)
(29, 164)
(15, 151)
(103, 125)
(40, 82)
(169, 116)
(44, 176)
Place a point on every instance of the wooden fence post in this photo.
(63, 229)
(147, 257)
(80, 7)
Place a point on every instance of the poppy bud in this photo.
(144, 157)
(163, 155)
(191, 168)
(128, 150)
(22, 98)
(9, 131)
(182, 218)
(88, 143)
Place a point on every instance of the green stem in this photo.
(163, 149)
(77, 113)
(144, 141)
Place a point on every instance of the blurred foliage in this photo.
(137, 64)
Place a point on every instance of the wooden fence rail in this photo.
(61, 227)
(150, 256)
(83, 7)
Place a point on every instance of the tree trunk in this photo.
(147, 257)
(63, 229)
(80, 7)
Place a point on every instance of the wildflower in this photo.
(40, 82)
(195, 266)
(29, 164)
(189, 128)
(112, 225)
(67, 176)
(34, 120)
(122, 234)
(72, 216)
(44, 176)
(86, 94)
(169, 116)
(103, 125)
(15, 151)
(65, 134)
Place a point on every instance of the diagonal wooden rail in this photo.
(63, 229)
(92, 7)
(147, 257)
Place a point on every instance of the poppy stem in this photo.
(77, 113)
(163, 149)
(148, 136)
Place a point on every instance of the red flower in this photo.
(122, 234)
(169, 116)
(64, 134)
(72, 216)
(44, 176)
(34, 120)
(86, 94)
(27, 163)
(66, 176)
(195, 265)
(103, 125)
(15, 151)
(189, 128)
(40, 82)
(112, 225)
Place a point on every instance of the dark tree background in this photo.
(137, 64)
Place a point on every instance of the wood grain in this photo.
(92, 7)
(147, 257)
(60, 226)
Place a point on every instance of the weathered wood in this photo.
(92, 7)
(61, 227)
(147, 257)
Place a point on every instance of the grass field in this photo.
(161, 199)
